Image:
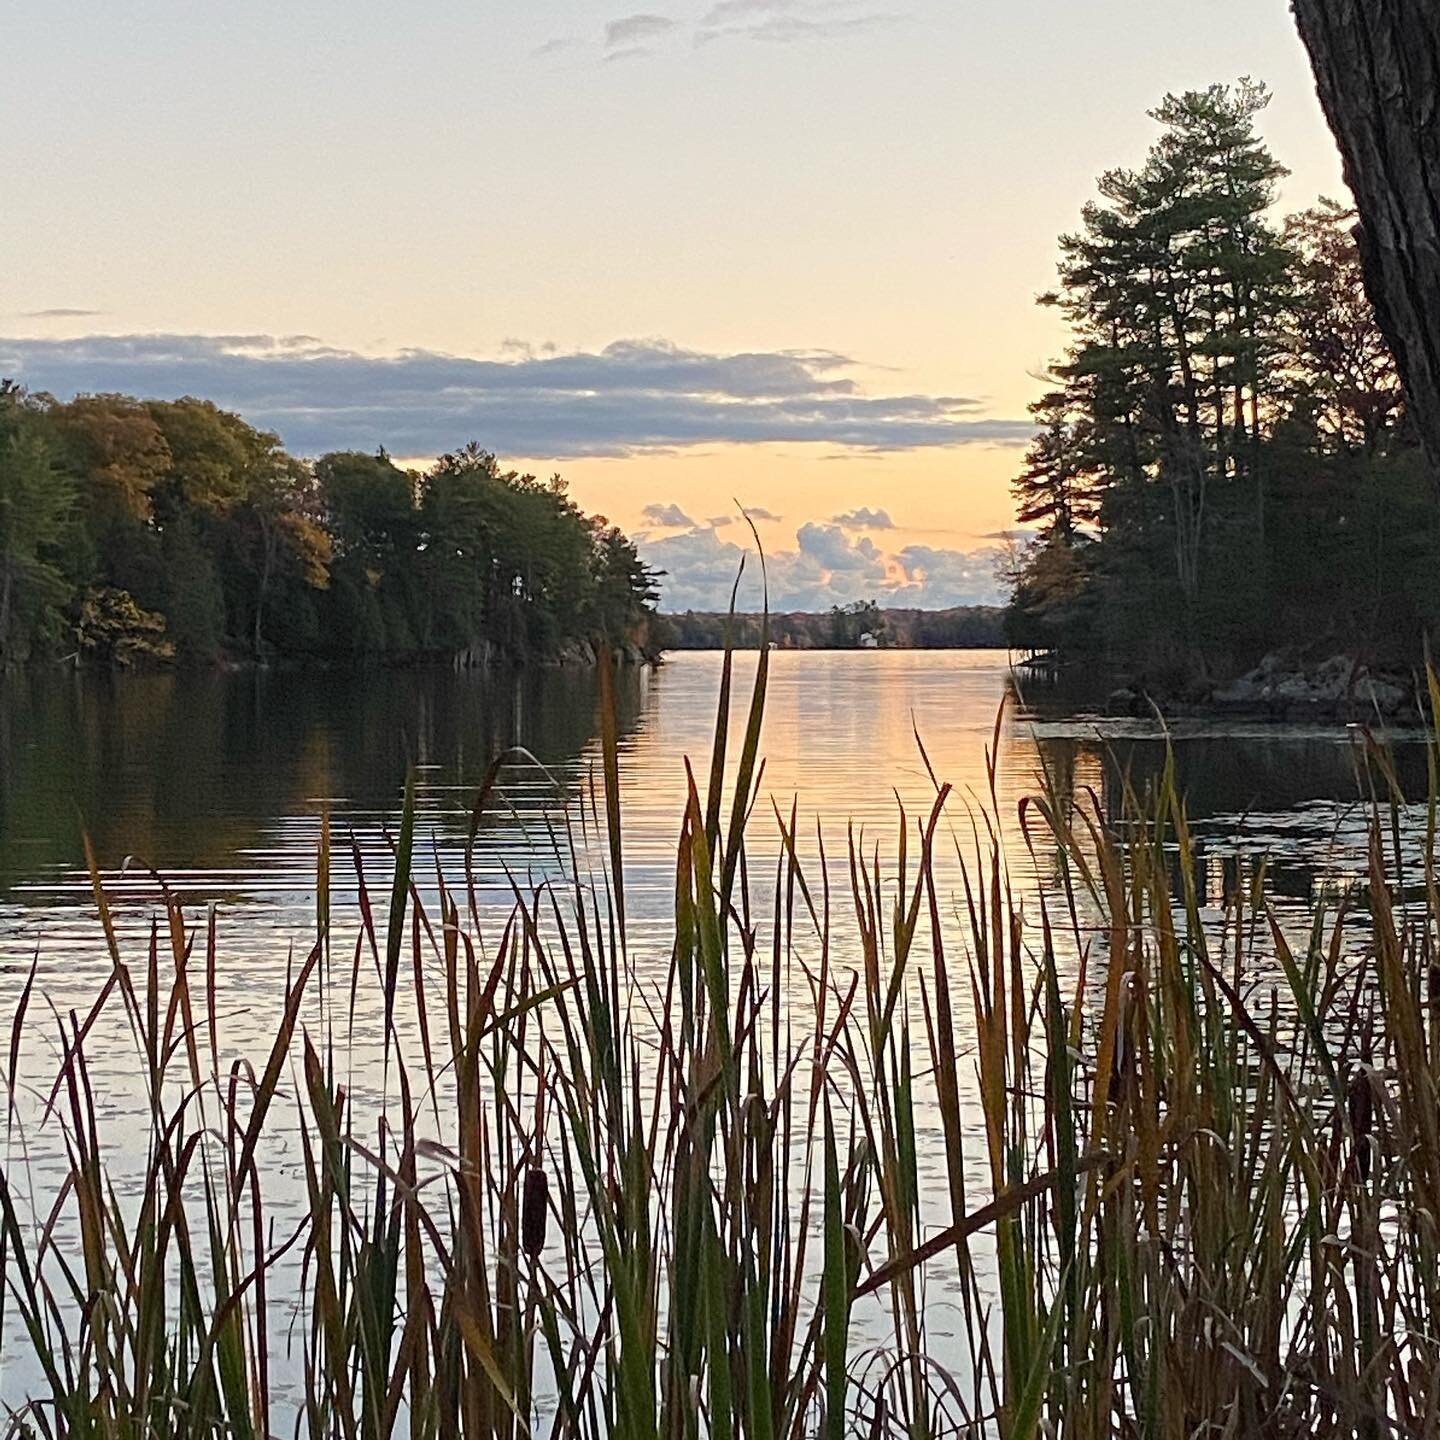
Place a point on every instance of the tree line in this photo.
(1224, 461)
(138, 530)
(964, 627)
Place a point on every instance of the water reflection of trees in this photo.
(188, 770)
(1280, 798)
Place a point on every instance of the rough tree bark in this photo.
(1377, 66)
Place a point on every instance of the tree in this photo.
(849, 622)
(178, 523)
(114, 629)
(1057, 487)
(1345, 375)
(626, 589)
(1176, 291)
(368, 504)
(258, 504)
(1377, 67)
(37, 497)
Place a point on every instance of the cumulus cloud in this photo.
(830, 547)
(937, 576)
(635, 30)
(668, 517)
(864, 518)
(633, 396)
(825, 568)
(759, 512)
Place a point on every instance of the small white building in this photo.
(869, 641)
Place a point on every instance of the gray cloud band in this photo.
(631, 396)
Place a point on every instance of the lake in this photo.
(218, 781)
(216, 784)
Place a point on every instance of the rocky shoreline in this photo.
(1284, 688)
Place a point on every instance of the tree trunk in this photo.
(1377, 66)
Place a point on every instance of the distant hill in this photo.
(965, 627)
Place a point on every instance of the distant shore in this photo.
(861, 626)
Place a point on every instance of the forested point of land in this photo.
(137, 531)
(1226, 464)
(843, 627)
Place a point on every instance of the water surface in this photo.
(216, 784)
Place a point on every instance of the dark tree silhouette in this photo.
(1377, 66)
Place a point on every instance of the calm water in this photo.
(218, 782)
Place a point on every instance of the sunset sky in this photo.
(779, 251)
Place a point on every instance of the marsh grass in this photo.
(591, 1208)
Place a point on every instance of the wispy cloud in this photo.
(635, 30)
(60, 312)
(633, 396)
(729, 12)
(668, 517)
(864, 518)
(776, 22)
(556, 45)
(788, 22)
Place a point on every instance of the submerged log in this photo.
(1377, 67)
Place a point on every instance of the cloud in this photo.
(555, 46)
(936, 576)
(667, 516)
(630, 52)
(864, 518)
(634, 30)
(825, 568)
(729, 11)
(785, 22)
(759, 512)
(831, 547)
(634, 396)
(60, 312)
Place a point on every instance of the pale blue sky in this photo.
(880, 181)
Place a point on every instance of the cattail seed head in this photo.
(534, 1212)
(1360, 1105)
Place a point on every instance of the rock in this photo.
(1251, 689)
(1333, 679)
(1298, 688)
(1121, 702)
(1389, 697)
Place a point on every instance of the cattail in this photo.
(1360, 1106)
(534, 1211)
